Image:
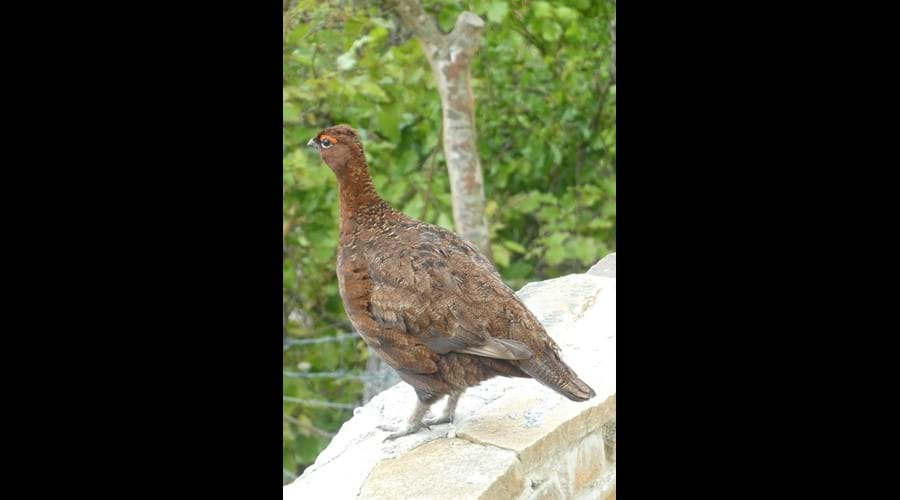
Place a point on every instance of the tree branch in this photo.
(463, 41)
(450, 58)
(414, 17)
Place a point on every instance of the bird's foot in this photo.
(388, 428)
(412, 429)
(443, 419)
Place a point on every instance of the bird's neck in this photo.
(357, 191)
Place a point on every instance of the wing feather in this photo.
(436, 287)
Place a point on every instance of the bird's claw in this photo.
(404, 432)
(445, 419)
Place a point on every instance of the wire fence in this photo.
(376, 378)
(318, 404)
(338, 374)
(341, 337)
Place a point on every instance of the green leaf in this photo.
(371, 88)
(515, 247)
(549, 214)
(566, 14)
(445, 221)
(501, 255)
(414, 207)
(447, 19)
(581, 4)
(550, 30)
(519, 270)
(524, 203)
(600, 224)
(543, 10)
(555, 255)
(491, 208)
(289, 112)
(555, 239)
(557, 154)
(497, 10)
(388, 122)
(585, 250)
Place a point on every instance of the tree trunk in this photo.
(613, 68)
(450, 56)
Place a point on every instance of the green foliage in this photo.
(546, 115)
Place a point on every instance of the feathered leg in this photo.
(449, 410)
(415, 421)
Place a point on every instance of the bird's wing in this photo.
(437, 288)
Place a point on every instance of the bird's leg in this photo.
(415, 421)
(449, 410)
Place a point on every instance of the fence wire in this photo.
(288, 343)
(376, 378)
(319, 404)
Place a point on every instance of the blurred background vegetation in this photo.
(544, 85)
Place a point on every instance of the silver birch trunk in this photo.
(450, 56)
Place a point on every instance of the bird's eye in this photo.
(326, 143)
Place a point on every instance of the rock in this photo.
(512, 438)
(606, 267)
(443, 469)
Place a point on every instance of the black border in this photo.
(156, 267)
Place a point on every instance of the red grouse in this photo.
(426, 301)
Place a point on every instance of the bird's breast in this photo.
(354, 283)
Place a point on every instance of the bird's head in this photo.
(337, 146)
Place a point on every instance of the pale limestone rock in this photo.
(529, 424)
(445, 467)
(548, 490)
(605, 267)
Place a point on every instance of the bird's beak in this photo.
(313, 144)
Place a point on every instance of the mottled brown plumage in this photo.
(426, 301)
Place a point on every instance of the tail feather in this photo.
(549, 369)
